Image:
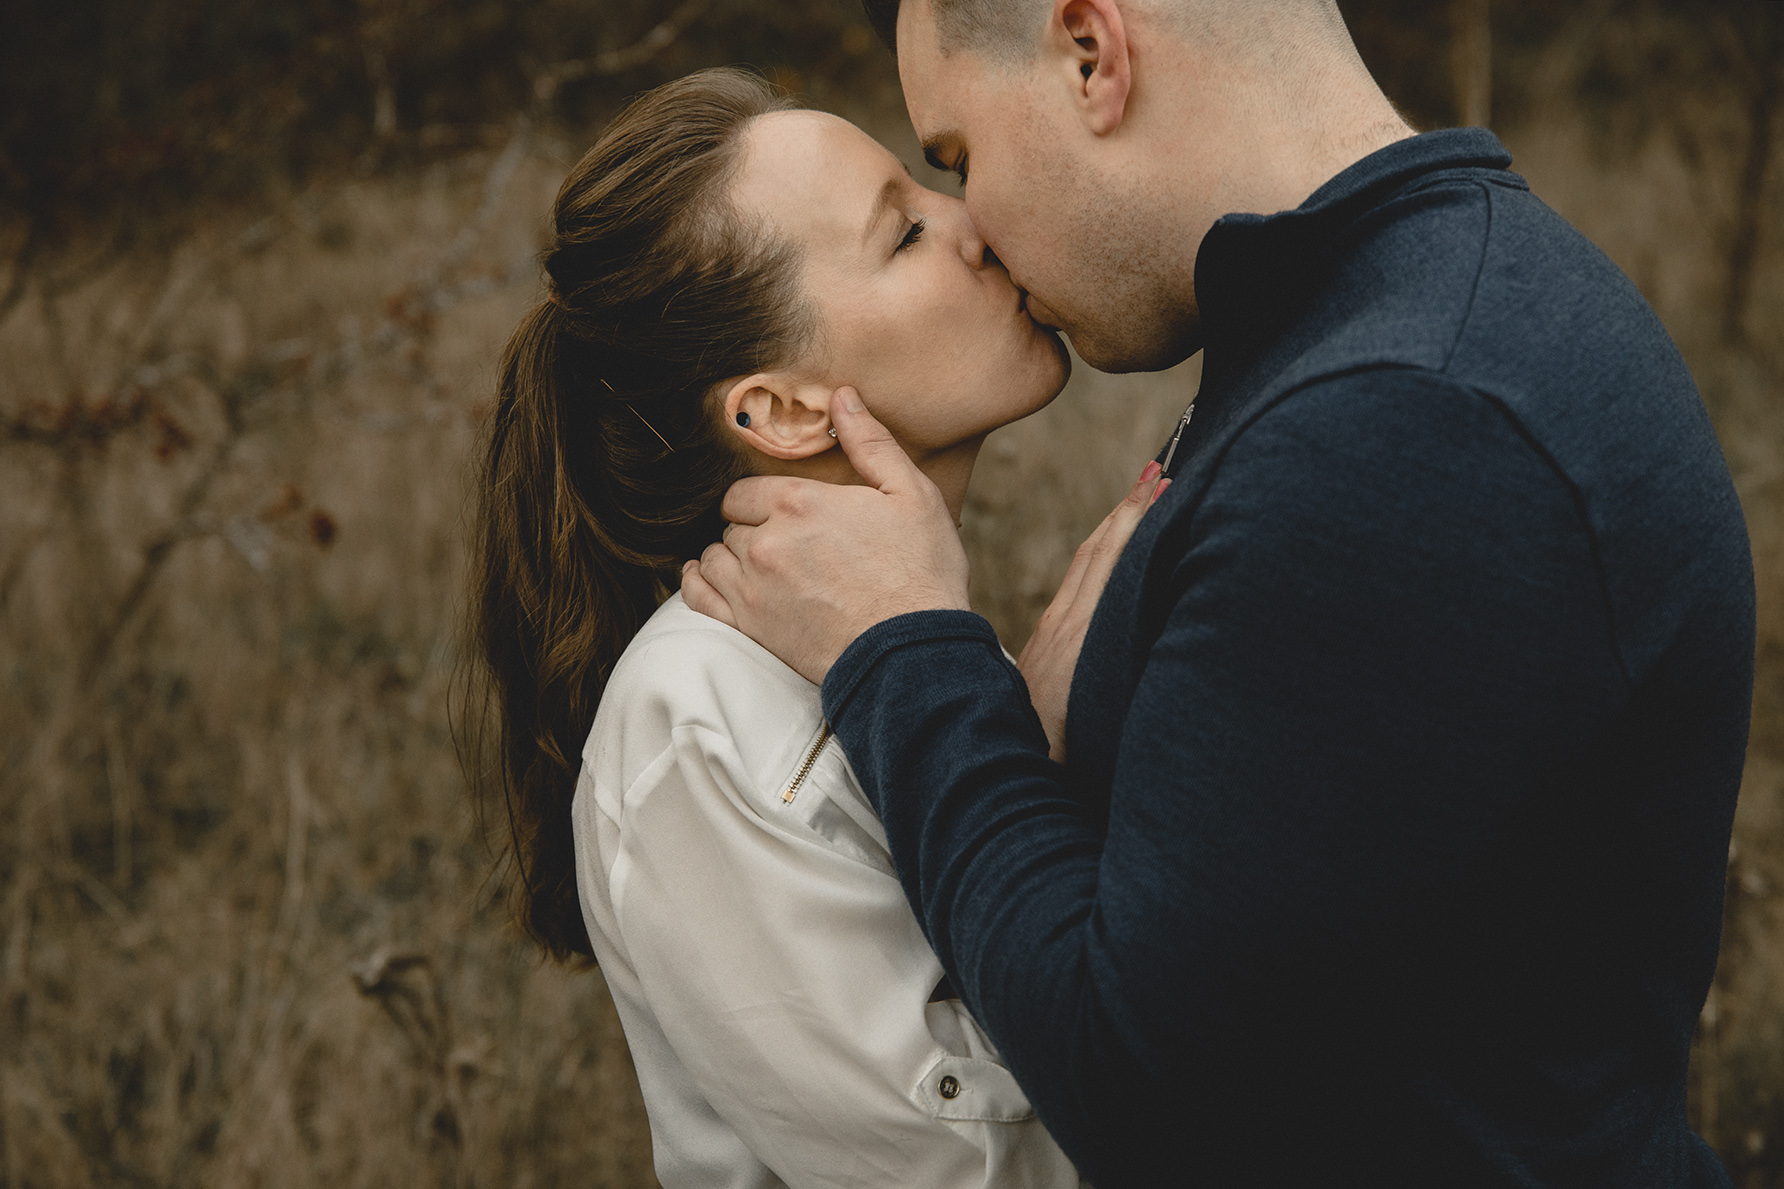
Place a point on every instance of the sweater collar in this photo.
(1254, 272)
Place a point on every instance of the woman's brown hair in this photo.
(606, 460)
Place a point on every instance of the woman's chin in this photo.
(1064, 356)
(1058, 371)
(1048, 385)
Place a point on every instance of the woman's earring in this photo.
(831, 432)
(743, 419)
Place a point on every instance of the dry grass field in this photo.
(247, 935)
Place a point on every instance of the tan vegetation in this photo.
(246, 934)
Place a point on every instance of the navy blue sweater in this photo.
(1404, 744)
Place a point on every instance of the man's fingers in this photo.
(702, 596)
(874, 453)
(750, 500)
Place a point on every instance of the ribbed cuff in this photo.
(918, 627)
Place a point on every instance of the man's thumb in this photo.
(874, 453)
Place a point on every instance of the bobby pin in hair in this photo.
(652, 428)
(640, 416)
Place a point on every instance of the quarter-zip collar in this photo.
(1254, 273)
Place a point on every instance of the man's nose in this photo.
(973, 248)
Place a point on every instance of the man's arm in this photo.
(1386, 619)
(806, 567)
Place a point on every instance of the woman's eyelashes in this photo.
(912, 235)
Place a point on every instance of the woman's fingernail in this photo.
(1160, 489)
(851, 400)
(1152, 471)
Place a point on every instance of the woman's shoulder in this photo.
(683, 672)
(693, 659)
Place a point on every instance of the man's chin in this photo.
(1118, 355)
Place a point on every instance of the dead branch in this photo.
(21, 269)
(91, 886)
(14, 569)
(413, 996)
(1561, 63)
(405, 987)
(1763, 66)
(1471, 61)
(547, 82)
(408, 315)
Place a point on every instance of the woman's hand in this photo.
(1051, 655)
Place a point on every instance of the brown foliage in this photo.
(245, 932)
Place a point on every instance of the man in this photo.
(1403, 748)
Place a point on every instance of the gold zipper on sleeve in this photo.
(805, 768)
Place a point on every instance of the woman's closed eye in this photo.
(912, 235)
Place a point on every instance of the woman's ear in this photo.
(1092, 41)
(780, 416)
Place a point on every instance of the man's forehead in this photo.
(939, 89)
(921, 66)
(943, 91)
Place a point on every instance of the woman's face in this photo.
(913, 310)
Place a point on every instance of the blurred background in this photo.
(257, 258)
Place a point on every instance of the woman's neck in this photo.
(951, 470)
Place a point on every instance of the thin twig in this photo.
(660, 38)
(21, 269)
(432, 295)
(117, 775)
(1471, 61)
(297, 834)
(95, 890)
(154, 556)
(1562, 62)
(14, 569)
(1767, 72)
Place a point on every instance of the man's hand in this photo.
(805, 567)
(1051, 655)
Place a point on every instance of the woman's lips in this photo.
(1026, 306)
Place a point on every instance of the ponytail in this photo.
(606, 462)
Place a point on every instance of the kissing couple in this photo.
(1358, 813)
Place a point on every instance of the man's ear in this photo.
(1090, 39)
(780, 416)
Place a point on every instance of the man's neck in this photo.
(1227, 136)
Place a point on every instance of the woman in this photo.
(722, 263)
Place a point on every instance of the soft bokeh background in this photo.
(257, 258)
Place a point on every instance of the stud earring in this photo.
(743, 419)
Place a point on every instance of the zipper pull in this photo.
(1171, 450)
(805, 768)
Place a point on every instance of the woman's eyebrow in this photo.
(888, 191)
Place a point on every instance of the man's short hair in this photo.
(1005, 28)
(970, 24)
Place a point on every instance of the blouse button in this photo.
(950, 1087)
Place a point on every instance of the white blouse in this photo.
(773, 984)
